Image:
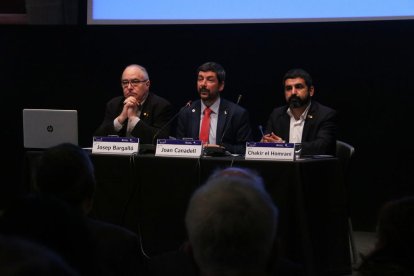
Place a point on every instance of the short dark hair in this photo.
(298, 73)
(66, 172)
(213, 67)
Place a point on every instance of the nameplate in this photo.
(178, 148)
(270, 151)
(115, 145)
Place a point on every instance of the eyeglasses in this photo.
(133, 82)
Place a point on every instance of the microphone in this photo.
(188, 104)
(150, 148)
(239, 99)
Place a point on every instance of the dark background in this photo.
(362, 69)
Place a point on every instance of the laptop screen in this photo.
(44, 128)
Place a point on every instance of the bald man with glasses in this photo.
(138, 112)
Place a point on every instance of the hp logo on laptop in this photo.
(49, 128)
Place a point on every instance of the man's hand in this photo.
(129, 110)
(271, 138)
(212, 146)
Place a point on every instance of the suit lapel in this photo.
(146, 107)
(223, 117)
(284, 126)
(195, 114)
(309, 121)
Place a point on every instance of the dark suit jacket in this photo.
(319, 132)
(233, 121)
(117, 249)
(155, 114)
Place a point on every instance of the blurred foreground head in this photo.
(66, 171)
(232, 222)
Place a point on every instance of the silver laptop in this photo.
(44, 128)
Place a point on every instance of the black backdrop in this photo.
(362, 69)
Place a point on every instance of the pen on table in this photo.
(261, 130)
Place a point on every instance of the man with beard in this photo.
(217, 122)
(302, 120)
(138, 113)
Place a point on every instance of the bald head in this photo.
(136, 69)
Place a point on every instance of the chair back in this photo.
(345, 153)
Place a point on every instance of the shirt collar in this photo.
(214, 107)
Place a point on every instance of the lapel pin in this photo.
(225, 112)
(310, 116)
(193, 110)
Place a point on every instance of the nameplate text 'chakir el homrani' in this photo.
(270, 151)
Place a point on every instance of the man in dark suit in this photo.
(229, 124)
(302, 120)
(66, 172)
(138, 113)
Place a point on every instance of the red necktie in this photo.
(205, 126)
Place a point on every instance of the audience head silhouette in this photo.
(67, 172)
(53, 223)
(396, 226)
(393, 252)
(231, 222)
(19, 257)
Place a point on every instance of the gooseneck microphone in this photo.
(188, 104)
(239, 99)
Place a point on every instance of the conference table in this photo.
(149, 195)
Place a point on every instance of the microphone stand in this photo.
(147, 148)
